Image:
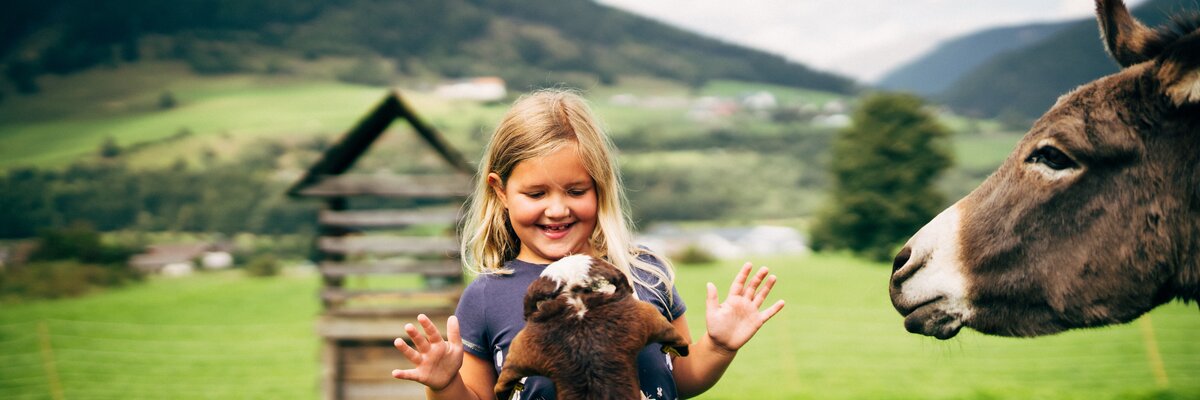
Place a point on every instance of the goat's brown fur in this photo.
(593, 356)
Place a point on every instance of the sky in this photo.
(862, 39)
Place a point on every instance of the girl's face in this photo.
(551, 204)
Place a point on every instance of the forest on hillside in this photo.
(529, 43)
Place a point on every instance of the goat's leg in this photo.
(517, 365)
(662, 331)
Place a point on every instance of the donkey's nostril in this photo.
(901, 258)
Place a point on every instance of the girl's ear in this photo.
(493, 180)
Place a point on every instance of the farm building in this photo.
(182, 258)
(387, 252)
(488, 88)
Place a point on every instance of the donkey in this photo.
(1094, 219)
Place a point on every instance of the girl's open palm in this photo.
(731, 324)
(436, 362)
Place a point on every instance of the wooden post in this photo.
(332, 204)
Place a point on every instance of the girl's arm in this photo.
(440, 365)
(729, 326)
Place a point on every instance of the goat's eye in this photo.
(1051, 157)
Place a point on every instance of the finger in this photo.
(418, 339)
(761, 296)
(452, 331)
(739, 281)
(755, 281)
(770, 312)
(710, 301)
(431, 330)
(409, 353)
(406, 374)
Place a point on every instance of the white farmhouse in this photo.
(488, 88)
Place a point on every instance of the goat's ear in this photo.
(540, 290)
(1127, 40)
(1179, 71)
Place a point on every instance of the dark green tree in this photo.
(884, 168)
(109, 148)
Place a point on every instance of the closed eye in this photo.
(578, 191)
(1052, 157)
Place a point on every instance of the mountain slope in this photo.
(936, 70)
(1027, 81)
(528, 42)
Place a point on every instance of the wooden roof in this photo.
(342, 155)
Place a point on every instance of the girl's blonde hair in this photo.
(537, 125)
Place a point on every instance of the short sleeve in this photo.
(677, 305)
(471, 315)
(673, 309)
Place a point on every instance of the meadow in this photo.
(224, 335)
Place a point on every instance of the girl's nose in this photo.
(558, 209)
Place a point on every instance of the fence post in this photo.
(48, 363)
(1154, 356)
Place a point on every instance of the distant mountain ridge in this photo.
(527, 42)
(1025, 82)
(936, 70)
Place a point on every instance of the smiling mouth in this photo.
(556, 229)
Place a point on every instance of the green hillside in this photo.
(1027, 81)
(528, 42)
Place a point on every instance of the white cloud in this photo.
(859, 38)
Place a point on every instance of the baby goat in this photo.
(584, 330)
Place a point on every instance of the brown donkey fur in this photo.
(1094, 219)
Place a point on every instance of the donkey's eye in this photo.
(1051, 157)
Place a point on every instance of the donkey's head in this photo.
(1092, 220)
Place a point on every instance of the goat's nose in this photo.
(901, 258)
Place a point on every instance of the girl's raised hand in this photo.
(731, 324)
(436, 361)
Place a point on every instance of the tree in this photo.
(109, 148)
(884, 167)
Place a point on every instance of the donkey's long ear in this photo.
(1126, 39)
(1179, 71)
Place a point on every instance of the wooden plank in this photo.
(366, 371)
(407, 313)
(389, 218)
(372, 362)
(442, 268)
(400, 186)
(339, 295)
(339, 327)
(431, 246)
(383, 390)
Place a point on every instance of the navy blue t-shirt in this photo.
(491, 312)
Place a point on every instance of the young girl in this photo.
(549, 187)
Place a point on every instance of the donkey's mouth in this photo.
(930, 319)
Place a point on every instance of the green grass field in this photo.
(226, 336)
